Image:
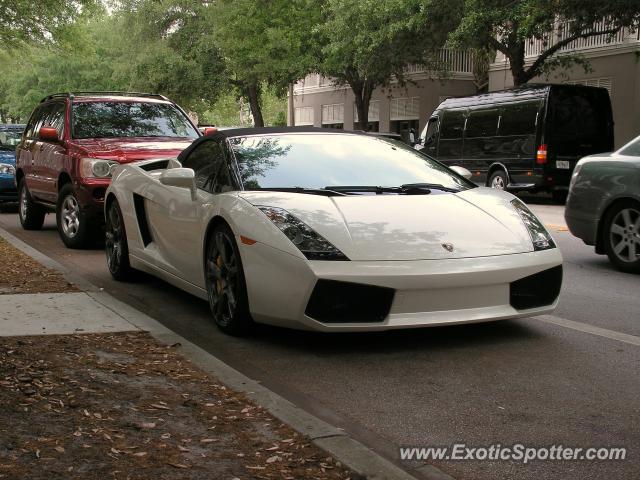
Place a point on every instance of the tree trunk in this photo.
(516, 61)
(362, 90)
(253, 94)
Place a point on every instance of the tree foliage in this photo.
(367, 43)
(507, 26)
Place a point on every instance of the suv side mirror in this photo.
(48, 134)
(182, 178)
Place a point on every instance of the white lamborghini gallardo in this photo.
(331, 231)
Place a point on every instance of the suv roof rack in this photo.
(105, 93)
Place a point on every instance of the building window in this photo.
(304, 115)
(332, 114)
(405, 108)
(604, 82)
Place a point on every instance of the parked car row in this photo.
(329, 230)
(10, 136)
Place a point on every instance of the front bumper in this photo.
(426, 292)
(90, 193)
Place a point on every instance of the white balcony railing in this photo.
(453, 61)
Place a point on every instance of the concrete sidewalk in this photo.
(95, 311)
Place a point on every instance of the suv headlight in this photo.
(7, 169)
(312, 245)
(540, 238)
(97, 167)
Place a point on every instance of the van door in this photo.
(450, 138)
(480, 141)
(517, 135)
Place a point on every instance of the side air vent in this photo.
(141, 216)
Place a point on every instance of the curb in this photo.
(335, 441)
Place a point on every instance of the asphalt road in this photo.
(527, 381)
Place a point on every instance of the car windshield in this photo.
(10, 137)
(338, 161)
(130, 119)
(632, 149)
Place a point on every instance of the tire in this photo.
(30, 213)
(226, 286)
(621, 236)
(559, 196)
(498, 180)
(73, 225)
(116, 246)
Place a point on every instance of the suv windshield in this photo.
(10, 137)
(129, 119)
(317, 160)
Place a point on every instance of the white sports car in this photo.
(326, 230)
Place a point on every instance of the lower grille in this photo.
(344, 302)
(538, 290)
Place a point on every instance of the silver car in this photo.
(603, 207)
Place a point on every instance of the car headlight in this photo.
(6, 169)
(312, 245)
(540, 238)
(97, 167)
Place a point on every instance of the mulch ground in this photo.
(19, 273)
(122, 406)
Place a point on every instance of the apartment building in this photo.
(319, 102)
(615, 65)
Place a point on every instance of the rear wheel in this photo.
(498, 180)
(30, 213)
(622, 236)
(73, 225)
(226, 287)
(116, 246)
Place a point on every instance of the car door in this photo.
(51, 154)
(176, 221)
(29, 155)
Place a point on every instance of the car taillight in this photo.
(541, 154)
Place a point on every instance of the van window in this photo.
(482, 123)
(519, 118)
(452, 124)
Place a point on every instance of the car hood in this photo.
(474, 223)
(7, 156)
(125, 150)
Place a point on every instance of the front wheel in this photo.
(622, 236)
(73, 225)
(116, 245)
(498, 180)
(30, 213)
(226, 287)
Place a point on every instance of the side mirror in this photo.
(48, 134)
(462, 171)
(210, 130)
(182, 178)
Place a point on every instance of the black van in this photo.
(524, 138)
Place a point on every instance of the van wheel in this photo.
(30, 213)
(498, 180)
(73, 225)
(622, 236)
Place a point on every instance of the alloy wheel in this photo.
(222, 275)
(114, 239)
(624, 235)
(23, 203)
(70, 216)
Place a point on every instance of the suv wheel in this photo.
(498, 180)
(73, 225)
(622, 236)
(30, 213)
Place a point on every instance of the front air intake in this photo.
(538, 290)
(344, 302)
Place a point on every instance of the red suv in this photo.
(71, 144)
